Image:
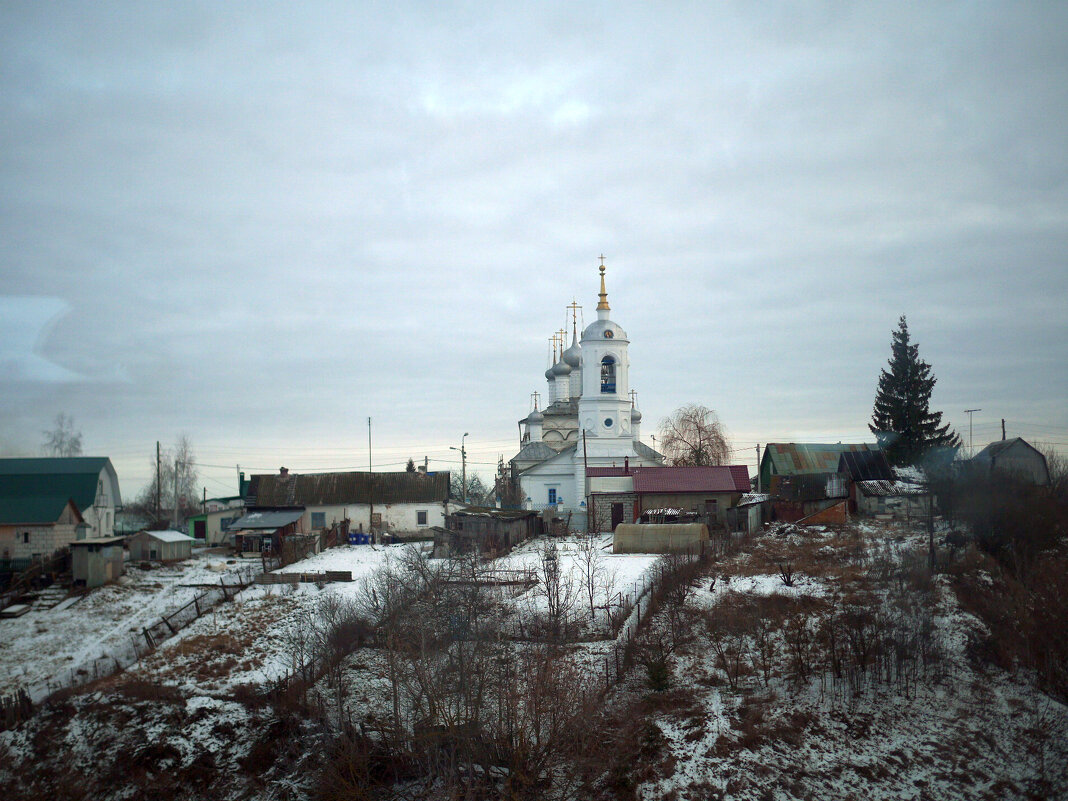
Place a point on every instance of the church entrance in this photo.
(617, 515)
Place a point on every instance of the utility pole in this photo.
(371, 491)
(463, 461)
(1002, 429)
(176, 463)
(204, 503)
(159, 481)
(758, 468)
(971, 447)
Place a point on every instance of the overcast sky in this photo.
(260, 224)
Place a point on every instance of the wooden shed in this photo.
(96, 561)
(160, 546)
(487, 530)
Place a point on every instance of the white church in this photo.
(589, 420)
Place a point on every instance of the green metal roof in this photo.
(36, 490)
(797, 458)
(31, 510)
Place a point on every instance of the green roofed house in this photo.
(45, 504)
(799, 459)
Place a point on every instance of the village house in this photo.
(211, 528)
(265, 530)
(46, 504)
(1014, 457)
(35, 528)
(799, 458)
(400, 503)
(623, 494)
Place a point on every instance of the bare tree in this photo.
(178, 477)
(556, 585)
(693, 436)
(590, 561)
(63, 439)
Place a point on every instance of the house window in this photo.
(552, 495)
(318, 519)
(608, 374)
(26, 538)
(420, 517)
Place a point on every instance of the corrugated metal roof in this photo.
(33, 510)
(753, 497)
(338, 489)
(607, 472)
(865, 466)
(798, 458)
(733, 478)
(267, 519)
(37, 490)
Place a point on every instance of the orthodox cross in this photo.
(602, 260)
(534, 396)
(574, 306)
(633, 398)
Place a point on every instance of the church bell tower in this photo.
(605, 405)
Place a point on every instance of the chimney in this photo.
(626, 465)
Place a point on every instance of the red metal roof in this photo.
(605, 472)
(732, 478)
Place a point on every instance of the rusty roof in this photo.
(338, 489)
(798, 458)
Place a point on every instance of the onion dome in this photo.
(561, 369)
(549, 375)
(535, 417)
(635, 416)
(573, 356)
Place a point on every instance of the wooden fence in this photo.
(326, 577)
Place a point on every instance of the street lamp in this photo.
(463, 461)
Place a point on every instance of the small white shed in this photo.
(160, 546)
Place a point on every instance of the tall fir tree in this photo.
(902, 418)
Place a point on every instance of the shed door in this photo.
(153, 554)
(200, 529)
(617, 515)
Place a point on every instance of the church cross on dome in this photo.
(602, 304)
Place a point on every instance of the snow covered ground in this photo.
(49, 645)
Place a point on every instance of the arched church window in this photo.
(608, 374)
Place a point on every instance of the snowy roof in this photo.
(267, 519)
(753, 497)
(888, 489)
(168, 536)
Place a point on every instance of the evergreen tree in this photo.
(902, 419)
